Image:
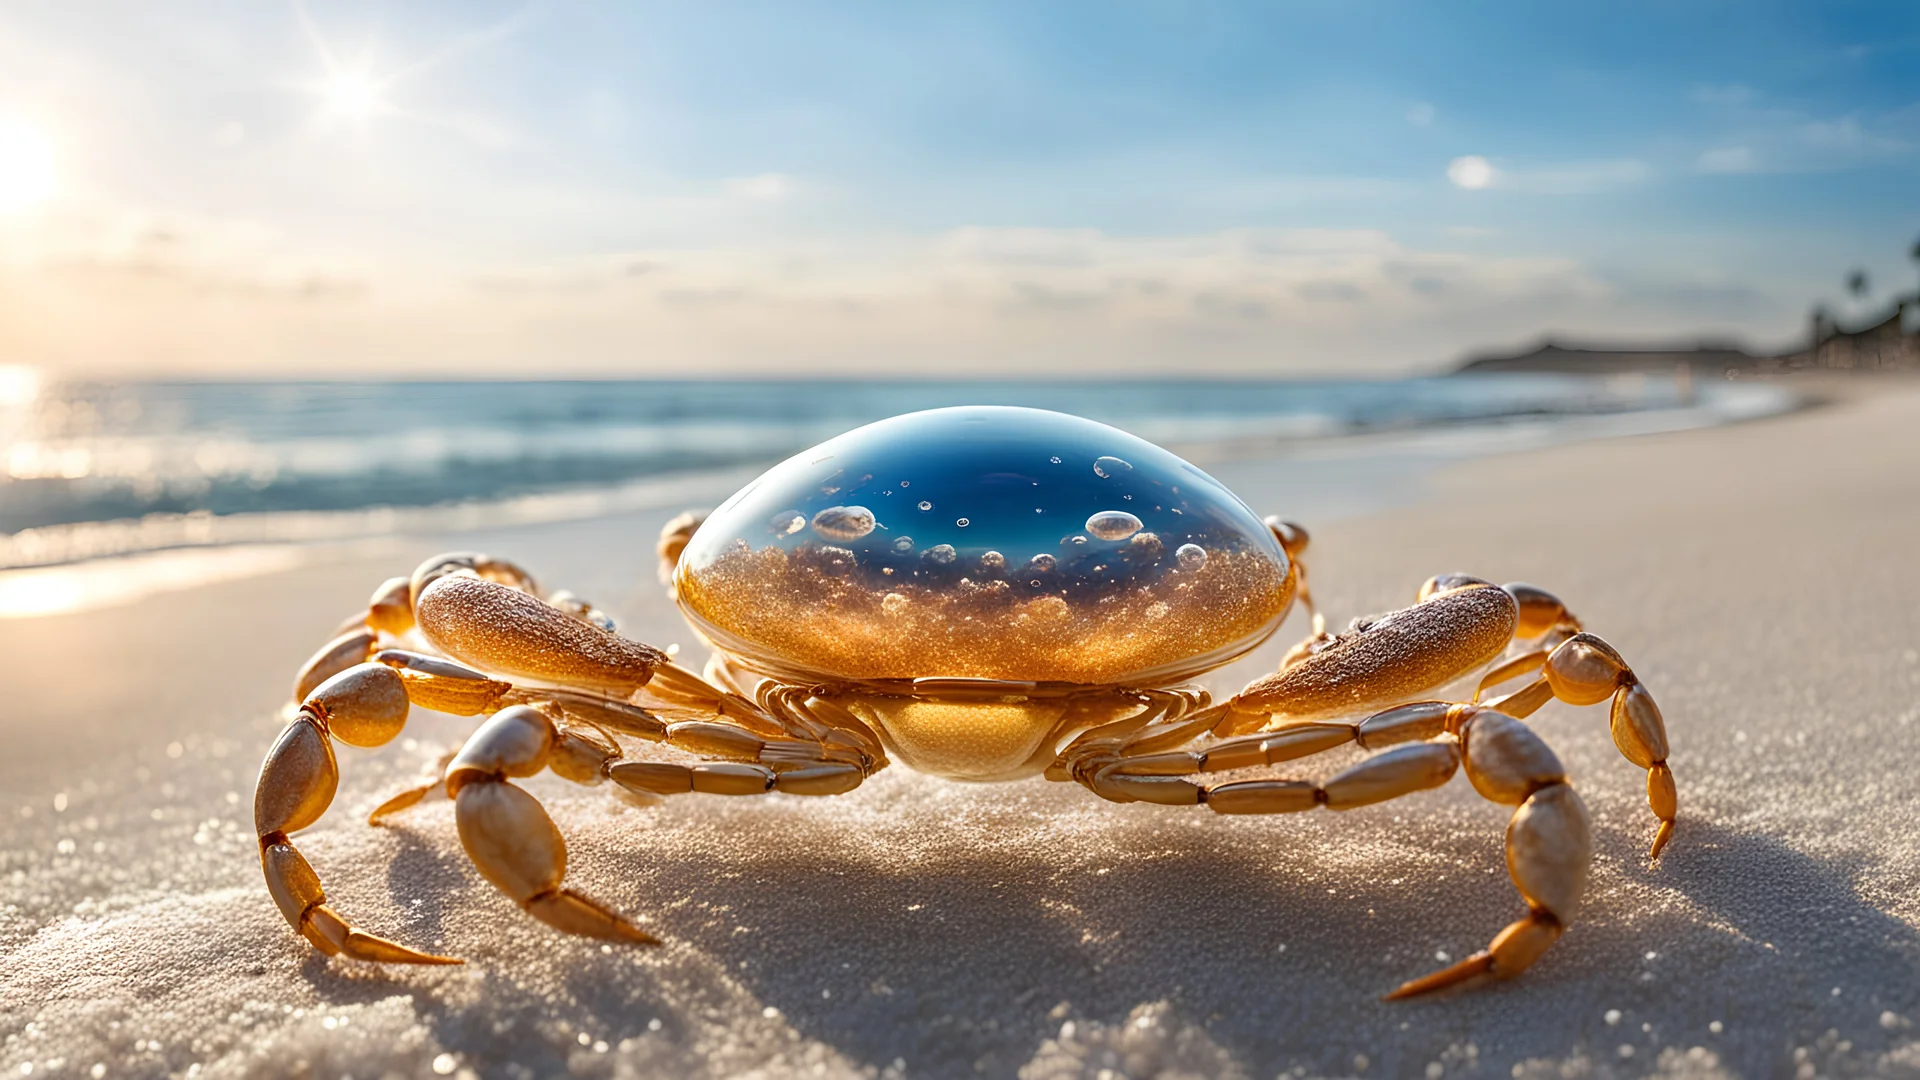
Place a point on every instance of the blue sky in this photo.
(685, 188)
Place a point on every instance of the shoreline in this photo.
(94, 565)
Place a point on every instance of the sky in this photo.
(266, 189)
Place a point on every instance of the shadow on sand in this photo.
(963, 958)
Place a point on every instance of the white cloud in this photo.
(1789, 141)
(765, 187)
(1727, 159)
(973, 301)
(1571, 178)
(1472, 172)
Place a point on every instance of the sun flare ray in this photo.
(27, 174)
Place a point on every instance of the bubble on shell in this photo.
(925, 505)
(1055, 459)
(1190, 556)
(836, 561)
(1075, 540)
(942, 554)
(903, 544)
(963, 523)
(1145, 545)
(1041, 563)
(787, 522)
(893, 603)
(1109, 467)
(843, 522)
(994, 561)
(1107, 524)
(1048, 609)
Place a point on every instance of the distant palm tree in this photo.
(1857, 283)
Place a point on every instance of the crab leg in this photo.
(1167, 718)
(1293, 540)
(507, 833)
(512, 840)
(390, 611)
(815, 747)
(1543, 617)
(581, 722)
(1548, 840)
(363, 706)
(498, 628)
(1584, 670)
(775, 713)
(742, 762)
(486, 611)
(1458, 625)
(673, 540)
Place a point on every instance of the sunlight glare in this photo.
(352, 95)
(26, 167)
(19, 385)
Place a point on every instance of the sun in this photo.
(27, 176)
(352, 95)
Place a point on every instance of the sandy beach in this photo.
(1763, 578)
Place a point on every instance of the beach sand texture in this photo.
(1763, 578)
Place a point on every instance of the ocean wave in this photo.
(101, 471)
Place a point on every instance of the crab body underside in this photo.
(904, 593)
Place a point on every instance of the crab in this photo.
(984, 594)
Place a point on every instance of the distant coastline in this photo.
(1887, 342)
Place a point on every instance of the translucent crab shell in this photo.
(985, 542)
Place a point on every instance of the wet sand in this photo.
(1764, 579)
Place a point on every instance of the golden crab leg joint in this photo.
(362, 706)
(508, 835)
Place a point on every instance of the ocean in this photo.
(89, 470)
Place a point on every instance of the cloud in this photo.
(1727, 159)
(1579, 178)
(975, 301)
(1474, 172)
(765, 187)
(1723, 94)
(1791, 141)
